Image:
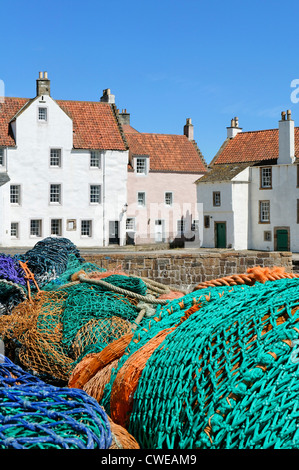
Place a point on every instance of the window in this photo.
(168, 199)
(86, 228)
(36, 228)
(56, 227)
(181, 226)
(207, 221)
(130, 223)
(1, 157)
(141, 166)
(266, 178)
(267, 236)
(42, 114)
(264, 211)
(216, 198)
(195, 226)
(14, 230)
(71, 224)
(95, 194)
(141, 199)
(15, 194)
(55, 157)
(95, 159)
(55, 193)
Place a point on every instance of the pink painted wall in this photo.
(155, 185)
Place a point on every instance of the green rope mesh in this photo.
(225, 377)
(86, 302)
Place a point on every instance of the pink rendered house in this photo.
(161, 190)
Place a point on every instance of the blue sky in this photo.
(164, 60)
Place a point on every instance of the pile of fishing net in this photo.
(49, 258)
(54, 330)
(35, 415)
(215, 369)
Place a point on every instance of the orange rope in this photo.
(29, 276)
(256, 274)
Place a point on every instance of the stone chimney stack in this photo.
(286, 153)
(234, 128)
(189, 129)
(42, 84)
(107, 97)
(124, 117)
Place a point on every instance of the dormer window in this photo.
(141, 165)
(42, 114)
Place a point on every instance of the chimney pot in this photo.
(234, 128)
(289, 114)
(107, 97)
(283, 115)
(42, 84)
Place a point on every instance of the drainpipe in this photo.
(104, 201)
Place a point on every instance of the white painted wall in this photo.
(283, 206)
(28, 165)
(233, 210)
(224, 213)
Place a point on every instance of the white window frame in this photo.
(133, 224)
(89, 234)
(59, 227)
(71, 224)
(53, 158)
(17, 235)
(166, 195)
(39, 226)
(42, 110)
(264, 212)
(51, 194)
(143, 204)
(17, 195)
(266, 177)
(143, 168)
(95, 159)
(91, 187)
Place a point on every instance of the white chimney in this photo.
(107, 97)
(286, 139)
(188, 129)
(234, 128)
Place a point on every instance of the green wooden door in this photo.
(282, 240)
(220, 235)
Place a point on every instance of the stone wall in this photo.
(185, 270)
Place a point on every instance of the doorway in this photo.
(220, 234)
(113, 232)
(159, 231)
(282, 239)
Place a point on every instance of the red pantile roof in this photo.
(129, 129)
(8, 109)
(95, 124)
(167, 152)
(253, 146)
